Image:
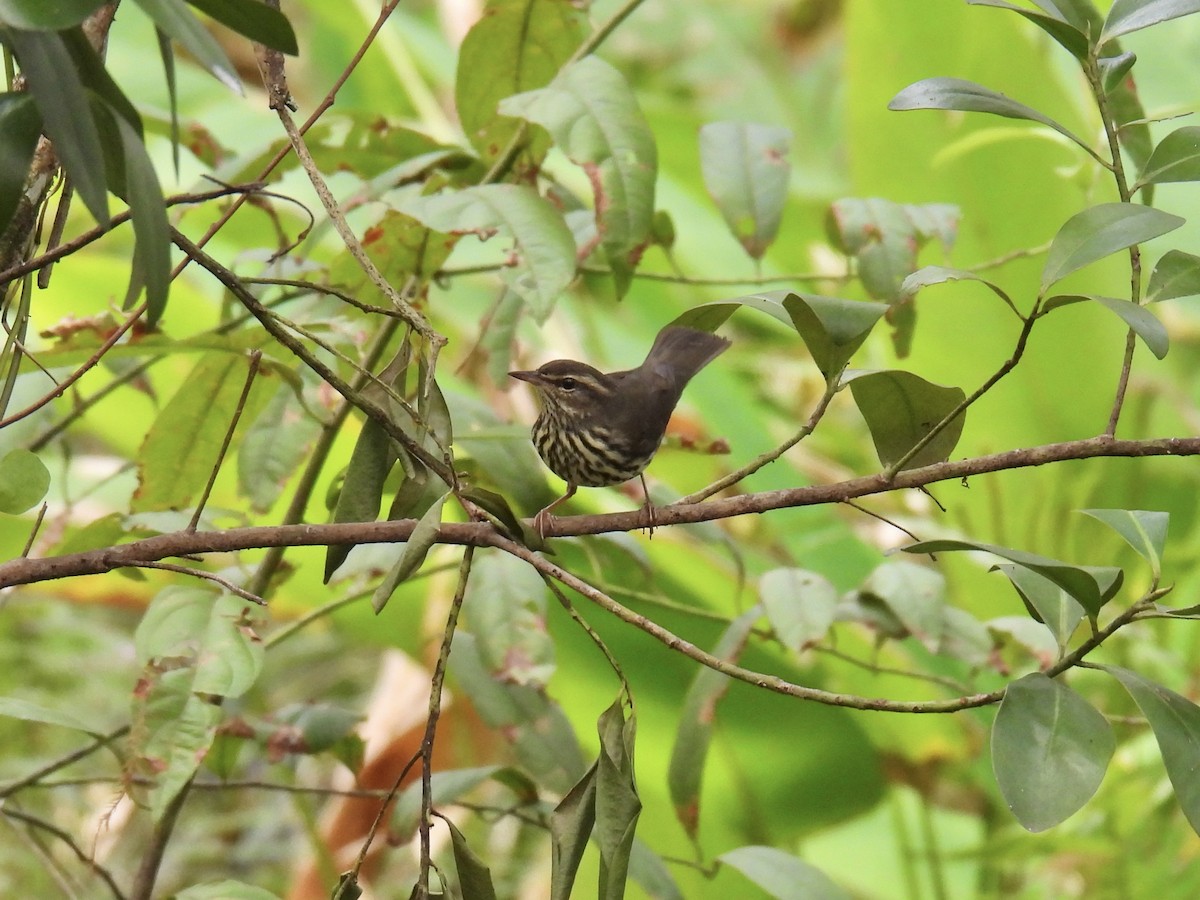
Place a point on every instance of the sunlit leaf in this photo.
(1050, 749)
(16, 708)
(225, 890)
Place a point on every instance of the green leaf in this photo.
(362, 489)
(1091, 586)
(254, 20)
(474, 878)
(1144, 530)
(45, 15)
(1113, 70)
(1143, 322)
(16, 708)
(275, 443)
(927, 276)
(915, 595)
(955, 93)
(900, 408)
(571, 825)
(885, 238)
(782, 875)
(1177, 274)
(517, 45)
(152, 255)
(1050, 21)
(1176, 158)
(1046, 601)
(696, 722)
(24, 480)
(66, 114)
(746, 171)
(799, 604)
(1050, 749)
(1102, 230)
(593, 115)
(446, 787)
(1127, 16)
(617, 803)
(416, 548)
(544, 244)
(650, 871)
(1175, 721)
(175, 19)
(20, 128)
(185, 440)
(225, 890)
(507, 603)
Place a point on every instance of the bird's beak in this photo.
(531, 377)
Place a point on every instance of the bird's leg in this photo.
(649, 507)
(543, 519)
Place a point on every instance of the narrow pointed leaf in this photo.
(900, 408)
(1176, 158)
(1050, 749)
(1100, 231)
(362, 488)
(1175, 721)
(782, 875)
(416, 548)
(16, 708)
(20, 128)
(1144, 530)
(151, 229)
(474, 877)
(1177, 274)
(176, 19)
(570, 827)
(617, 803)
(1127, 16)
(1143, 322)
(955, 93)
(746, 171)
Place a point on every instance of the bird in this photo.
(596, 429)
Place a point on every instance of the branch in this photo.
(95, 562)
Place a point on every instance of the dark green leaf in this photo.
(1127, 16)
(167, 55)
(1175, 721)
(66, 114)
(593, 115)
(24, 480)
(696, 723)
(253, 19)
(543, 242)
(474, 878)
(174, 18)
(955, 93)
(362, 489)
(800, 606)
(1177, 274)
(416, 548)
(746, 171)
(94, 74)
(1046, 601)
(1144, 530)
(1176, 158)
(1050, 749)
(45, 15)
(1113, 70)
(151, 229)
(1088, 585)
(617, 803)
(1143, 322)
(900, 408)
(20, 128)
(571, 825)
(782, 875)
(1051, 22)
(1102, 230)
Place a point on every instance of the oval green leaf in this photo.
(1050, 749)
(1102, 230)
(901, 408)
(24, 480)
(1177, 274)
(799, 604)
(746, 171)
(1176, 158)
(1126, 16)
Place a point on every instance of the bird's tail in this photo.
(683, 352)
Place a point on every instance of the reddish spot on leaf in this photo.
(373, 234)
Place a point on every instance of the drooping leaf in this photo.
(1177, 274)
(746, 171)
(1097, 232)
(1092, 586)
(900, 409)
(257, 21)
(617, 803)
(176, 19)
(1144, 530)
(1050, 749)
(955, 93)
(571, 825)
(799, 604)
(474, 877)
(1127, 16)
(1046, 601)
(927, 276)
(415, 549)
(506, 600)
(696, 723)
(1176, 158)
(20, 128)
(24, 480)
(1143, 322)
(66, 113)
(544, 244)
(594, 117)
(1175, 721)
(362, 488)
(517, 45)
(782, 875)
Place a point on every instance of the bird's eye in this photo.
(568, 384)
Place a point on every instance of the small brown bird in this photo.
(596, 430)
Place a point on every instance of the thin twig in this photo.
(251, 372)
(52, 829)
(207, 576)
